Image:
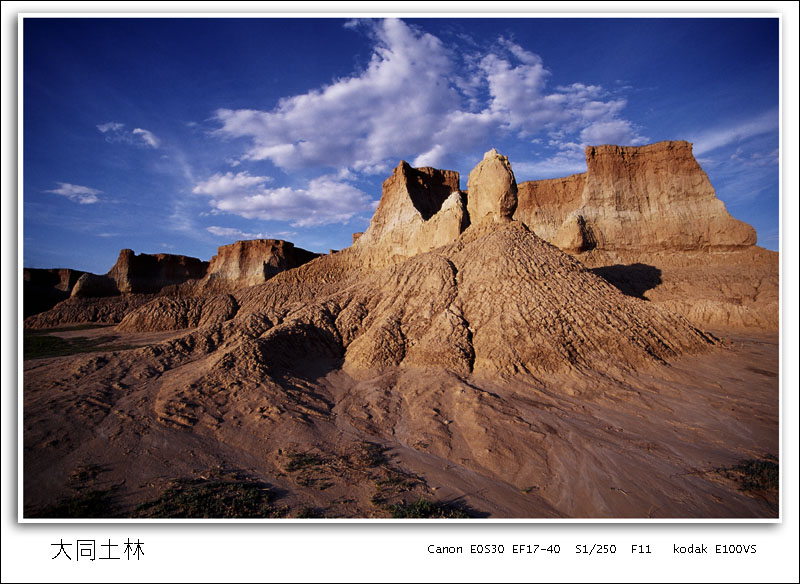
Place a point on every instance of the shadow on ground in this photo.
(632, 280)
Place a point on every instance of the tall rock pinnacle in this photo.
(492, 189)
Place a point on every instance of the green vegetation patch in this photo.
(754, 474)
(300, 460)
(213, 499)
(425, 509)
(38, 344)
(90, 505)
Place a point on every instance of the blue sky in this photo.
(181, 135)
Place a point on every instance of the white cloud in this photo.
(561, 164)
(238, 234)
(610, 132)
(719, 137)
(418, 99)
(116, 132)
(222, 185)
(325, 200)
(77, 193)
(110, 127)
(148, 137)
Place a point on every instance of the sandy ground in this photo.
(644, 444)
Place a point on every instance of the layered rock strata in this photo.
(648, 219)
(633, 198)
(146, 273)
(251, 262)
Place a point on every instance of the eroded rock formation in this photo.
(420, 209)
(649, 206)
(137, 279)
(44, 288)
(633, 198)
(492, 189)
(485, 361)
(251, 262)
(146, 273)
(654, 206)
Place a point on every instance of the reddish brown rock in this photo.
(94, 286)
(44, 288)
(545, 204)
(146, 273)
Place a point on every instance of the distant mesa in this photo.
(44, 288)
(135, 278)
(247, 263)
(140, 274)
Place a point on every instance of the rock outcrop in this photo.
(637, 198)
(492, 189)
(543, 205)
(139, 274)
(44, 288)
(94, 286)
(646, 210)
(486, 363)
(251, 262)
(636, 212)
(146, 273)
(420, 209)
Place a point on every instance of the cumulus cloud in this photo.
(76, 193)
(221, 185)
(610, 132)
(419, 99)
(116, 132)
(324, 201)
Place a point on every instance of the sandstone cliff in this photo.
(646, 198)
(543, 205)
(636, 212)
(137, 279)
(648, 219)
(247, 263)
(146, 273)
(481, 358)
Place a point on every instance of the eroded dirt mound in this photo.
(108, 310)
(722, 290)
(499, 300)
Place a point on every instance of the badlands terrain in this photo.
(600, 345)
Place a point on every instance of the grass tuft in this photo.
(424, 509)
(213, 499)
(89, 505)
(753, 475)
